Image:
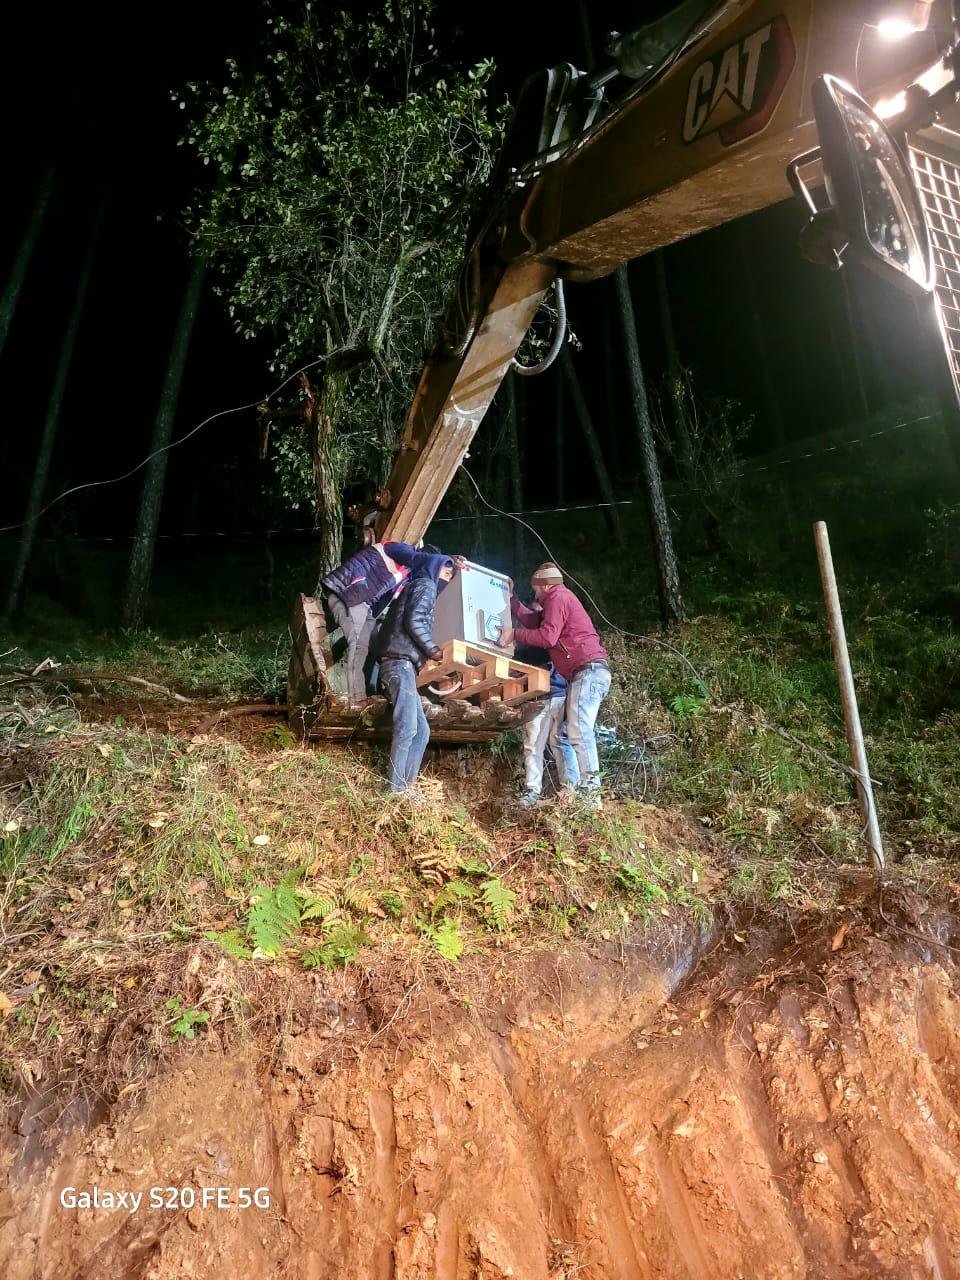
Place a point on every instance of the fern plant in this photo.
(497, 901)
(687, 707)
(359, 898)
(453, 893)
(474, 868)
(447, 939)
(392, 903)
(338, 950)
(232, 942)
(273, 915)
(319, 903)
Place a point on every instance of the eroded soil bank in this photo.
(793, 1110)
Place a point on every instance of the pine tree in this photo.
(668, 576)
(11, 293)
(41, 467)
(142, 552)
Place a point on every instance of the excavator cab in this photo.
(641, 54)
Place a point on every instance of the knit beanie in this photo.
(547, 575)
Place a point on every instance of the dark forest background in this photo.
(828, 386)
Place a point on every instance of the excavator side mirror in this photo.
(870, 188)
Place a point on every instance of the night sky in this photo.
(87, 90)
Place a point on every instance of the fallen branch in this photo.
(68, 678)
(264, 708)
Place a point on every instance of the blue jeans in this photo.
(585, 692)
(411, 733)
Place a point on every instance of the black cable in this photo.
(221, 413)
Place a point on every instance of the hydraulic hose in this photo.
(559, 334)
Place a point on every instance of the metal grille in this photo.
(939, 183)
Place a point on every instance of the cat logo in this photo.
(733, 93)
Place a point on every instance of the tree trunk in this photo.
(326, 472)
(770, 396)
(668, 577)
(876, 340)
(41, 468)
(805, 375)
(512, 445)
(586, 38)
(678, 411)
(610, 402)
(852, 406)
(593, 445)
(11, 293)
(854, 342)
(559, 443)
(148, 518)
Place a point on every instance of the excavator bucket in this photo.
(470, 695)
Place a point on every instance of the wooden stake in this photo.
(848, 696)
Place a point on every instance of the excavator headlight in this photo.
(871, 187)
(896, 28)
(896, 21)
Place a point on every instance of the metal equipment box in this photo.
(473, 607)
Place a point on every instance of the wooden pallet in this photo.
(477, 675)
(500, 694)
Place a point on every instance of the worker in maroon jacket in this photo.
(559, 623)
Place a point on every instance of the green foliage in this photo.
(505, 745)
(447, 939)
(273, 915)
(393, 903)
(345, 160)
(183, 1022)
(338, 950)
(637, 881)
(472, 867)
(232, 942)
(687, 707)
(453, 893)
(498, 902)
(318, 906)
(280, 736)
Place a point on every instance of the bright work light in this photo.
(896, 28)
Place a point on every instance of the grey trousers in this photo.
(356, 623)
(547, 728)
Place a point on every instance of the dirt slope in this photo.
(794, 1113)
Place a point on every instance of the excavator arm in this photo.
(727, 105)
(705, 136)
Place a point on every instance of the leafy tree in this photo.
(338, 228)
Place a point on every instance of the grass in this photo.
(149, 882)
(229, 665)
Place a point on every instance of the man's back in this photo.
(563, 627)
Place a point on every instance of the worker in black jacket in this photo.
(403, 644)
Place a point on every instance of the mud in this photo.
(791, 1110)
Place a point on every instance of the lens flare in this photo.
(896, 28)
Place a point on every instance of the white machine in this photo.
(473, 607)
